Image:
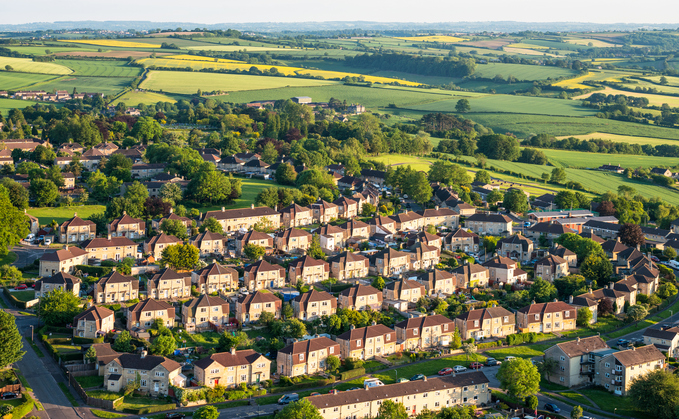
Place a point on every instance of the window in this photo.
(214, 371)
(301, 357)
(608, 365)
(415, 332)
(561, 379)
(563, 358)
(160, 374)
(566, 313)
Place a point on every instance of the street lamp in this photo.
(31, 332)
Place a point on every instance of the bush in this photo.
(18, 303)
(352, 373)
(87, 341)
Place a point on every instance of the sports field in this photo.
(622, 138)
(100, 68)
(26, 65)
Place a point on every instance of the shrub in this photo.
(352, 373)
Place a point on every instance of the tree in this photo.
(287, 311)
(570, 285)
(91, 355)
(532, 402)
(666, 290)
(333, 363)
(566, 200)
(10, 350)
(164, 345)
(254, 251)
(463, 106)
(378, 283)
(206, 412)
(368, 209)
(418, 187)
(302, 409)
(315, 250)
(558, 175)
(43, 192)
(597, 268)
(448, 173)
(516, 201)
(456, 343)
(10, 273)
(13, 223)
(285, 174)
(494, 196)
(584, 317)
(519, 377)
(146, 129)
(210, 186)
(656, 393)
(171, 192)
(180, 256)
(548, 366)
(637, 312)
(123, 342)
(576, 413)
(669, 252)
(392, 410)
(542, 291)
(499, 147)
(175, 228)
(211, 224)
(18, 195)
(227, 340)
(482, 176)
(606, 208)
(9, 67)
(605, 307)
(58, 307)
(120, 166)
(663, 80)
(631, 235)
(469, 349)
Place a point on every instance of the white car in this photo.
(509, 358)
(459, 368)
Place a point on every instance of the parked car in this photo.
(417, 377)
(491, 362)
(476, 365)
(402, 380)
(446, 371)
(459, 368)
(289, 398)
(315, 393)
(333, 391)
(552, 407)
(654, 259)
(175, 415)
(509, 358)
(9, 395)
(21, 287)
(623, 342)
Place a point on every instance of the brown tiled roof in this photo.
(254, 235)
(636, 356)
(150, 305)
(61, 278)
(162, 238)
(289, 233)
(207, 235)
(323, 204)
(440, 212)
(126, 219)
(592, 236)
(551, 260)
(421, 322)
(490, 218)
(404, 284)
(77, 222)
(550, 228)
(315, 296)
(115, 278)
(240, 213)
(93, 313)
(486, 313)
(63, 254)
(525, 242)
(305, 261)
(667, 334)
(435, 275)
(257, 297)
(380, 220)
(227, 359)
(216, 269)
(582, 346)
(404, 217)
(469, 269)
(264, 266)
(149, 362)
(500, 262)
(613, 246)
(168, 274)
(360, 290)
(550, 307)
(112, 242)
(307, 346)
(328, 229)
(368, 332)
(105, 353)
(206, 301)
(345, 257)
(294, 209)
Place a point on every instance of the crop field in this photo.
(232, 48)
(671, 81)
(487, 86)
(10, 80)
(7, 104)
(433, 38)
(558, 45)
(593, 75)
(41, 50)
(100, 68)
(106, 85)
(134, 98)
(656, 100)
(526, 46)
(621, 138)
(569, 158)
(597, 43)
(673, 90)
(26, 65)
(188, 82)
(527, 51)
(521, 72)
(115, 43)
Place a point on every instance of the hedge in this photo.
(87, 341)
(56, 329)
(519, 338)
(150, 409)
(18, 303)
(94, 270)
(23, 409)
(489, 344)
(357, 372)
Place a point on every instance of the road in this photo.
(26, 255)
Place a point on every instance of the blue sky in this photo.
(218, 11)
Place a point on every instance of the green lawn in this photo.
(61, 214)
(8, 259)
(205, 339)
(90, 381)
(24, 295)
(548, 385)
(67, 349)
(576, 397)
(102, 394)
(251, 188)
(609, 402)
(428, 367)
(130, 402)
(107, 415)
(519, 352)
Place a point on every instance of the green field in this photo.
(521, 72)
(250, 187)
(7, 104)
(26, 65)
(621, 138)
(134, 98)
(40, 49)
(100, 68)
(61, 214)
(190, 82)
(106, 85)
(10, 80)
(567, 158)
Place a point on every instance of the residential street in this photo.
(26, 255)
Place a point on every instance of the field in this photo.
(10, 80)
(621, 138)
(656, 100)
(61, 214)
(148, 98)
(251, 188)
(596, 43)
(672, 90)
(41, 50)
(526, 46)
(26, 65)
(521, 72)
(568, 158)
(433, 38)
(114, 43)
(105, 85)
(100, 68)
(233, 48)
(7, 104)
(593, 75)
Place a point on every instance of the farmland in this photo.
(13, 81)
(433, 38)
(106, 85)
(620, 138)
(7, 104)
(100, 68)
(26, 65)
(656, 100)
(522, 72)
(114, 43)
(134, 98)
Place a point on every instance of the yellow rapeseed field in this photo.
(199, 63)
(113, 43)
(201, 58)
(526, 46)
(433, 38)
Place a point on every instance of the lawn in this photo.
(519, 352)
(107, 415)
(251, 188)
(135, 403)
(27, 65)
(7, 104)
(61, 214)
(27, 295)
(100, 68)
(427, 367)
(609, 402)
(90, 381)
(15, 81)
(66, 349)
(576, 397)
(9, 258)
(104, 395)
(204, 339)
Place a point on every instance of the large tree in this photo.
(542, 291)
(631, 235)
(210, 186)
(180, 256)
(13, 223)
(285, 174)
(171, 192)
(519, 377)
(597, 268)
(302, 409)
(10, 350)
(392, 410)
(448, 173)
(211, 224)
(499, 147)
(516, 201)
(58, 307)
(206, 412)
(175, 228)
(43, 192)
(656, 393)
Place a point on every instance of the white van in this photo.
(372, 382)
(673, 264)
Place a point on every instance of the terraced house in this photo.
(445, 217)
(156, 244)
(489, 224)
(516, 247)
(487, 322)
(215, 278)
(204, 312)
(115, 248)
(437, 282)
(331, 237)
(348, 265)
(76, 230)
(126, 226)
(249, 307)
(144, 313)
(551, 267)
(60, 280)
(156, 373)
(423, 256)
(115, 287)
(323, 212)
(169, 284)
(255, 238)
(555, 316)
(261, 275)
(346, 207)
(314, 304)
(293, 240)
(425, 332)
(308, 270)
(404, 290)
(306, 357)
(361, 297)
(231, 369)
(244, 218)
(471, 275)
(296, 216)
(64, 260)
(368, 342)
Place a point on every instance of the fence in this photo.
(78, 368)
(14, 388)
(93, 401)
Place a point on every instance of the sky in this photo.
(221, 11)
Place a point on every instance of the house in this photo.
(461, 207)
(126, 226)
(256, 238)
(314, 304)
(208, 243)
(355, 230)
(244, 218)
(576, 360)
(565, 254)
(323, 212)
(431, 240)
(156, 244)
(437, 282)
(93, 322)
(555, 316)
(516, 247)
(204, 313)
(144, 313)
(661, 171)
(549, 230)
(76, 230)
(612, 248)
(666, 339)
(69, 180)
(64, 260)
(348, 265)
(505, 271)
(361, 297)
(349, 182)
(616, 297)
(155, 373)
(346, 207)
(404, 290)
(292, 240)
(551, 267)
(115, 248)
(232, 369)
(114, 288)
(215, 278)
(408, 220)
(471, 275)
(592, 236)
(425, 332)
(60, 280)
(376, 177)
(368, 342)
(147, 170)
(548, 216)
(489, 224)
(607, 231)
(256, 166)
(295, 216)
(444, 217)
(231, 164)
(331, 237)
(169, 284)
(308, 270)
(250, 307)
(188, 222)
(335, 168)
(588, 302)
(490, 322)
(611, 168)
(423, 257)
(617, 370)
(306, 357)
(390, 262)
(461, 240)
(262, 274)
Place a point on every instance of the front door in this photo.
(156, 387)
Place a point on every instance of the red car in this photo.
(333, 391)
(446, 371)
(476, 365)
(21, 287)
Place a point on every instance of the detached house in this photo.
(555, 316)
(308, 270)
(361, 297)
(114, 288)
(156, 373)
(314, 304)
(261, 275)
(425, 332)
(126, 226)
(93, 322)
(368, 342)
(306, 357)
(490, 322)
(144, 313)
(250, 307)
(231, 369)
(204, 312)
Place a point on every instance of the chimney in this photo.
(578, 340)
(590, 290)
(570, 299)
(109, 236)
(124, 212)
(223, 209)
(171, 210)
(252, 206)
(374, 323)
(143, 353)
(555, 300)
(437, 208)
(425, 378)
(75, 214)
(352, 327)
(532, 302)
(233, 350)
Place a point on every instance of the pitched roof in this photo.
(613, 246)
(115, 278)
(162, 238)
(257, 297)
(544, 308)
(206, 301)
(150, 305)
(61, 278)
(228, 359)
(551, 260)
(360, 290)
(403, 284)
(240, 213)
(216, 269)
(94, 313)
(485, 313)
(550, 228)
(309, 345)
(315, 296)
(77, 222)
(308, 261)
(63, 254)
(420, 322)
(98, 243)
(366, 332)
(525, 242)
(147, 363)
(636, 356)
(582, 346)
(263, 266)
(490, 218)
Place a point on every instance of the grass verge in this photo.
(107, 415)
(36, 349)
(68, 394)
(609, 402)
(576, 397)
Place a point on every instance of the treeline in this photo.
(601, 146)
(429, 66)
(621, 108)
